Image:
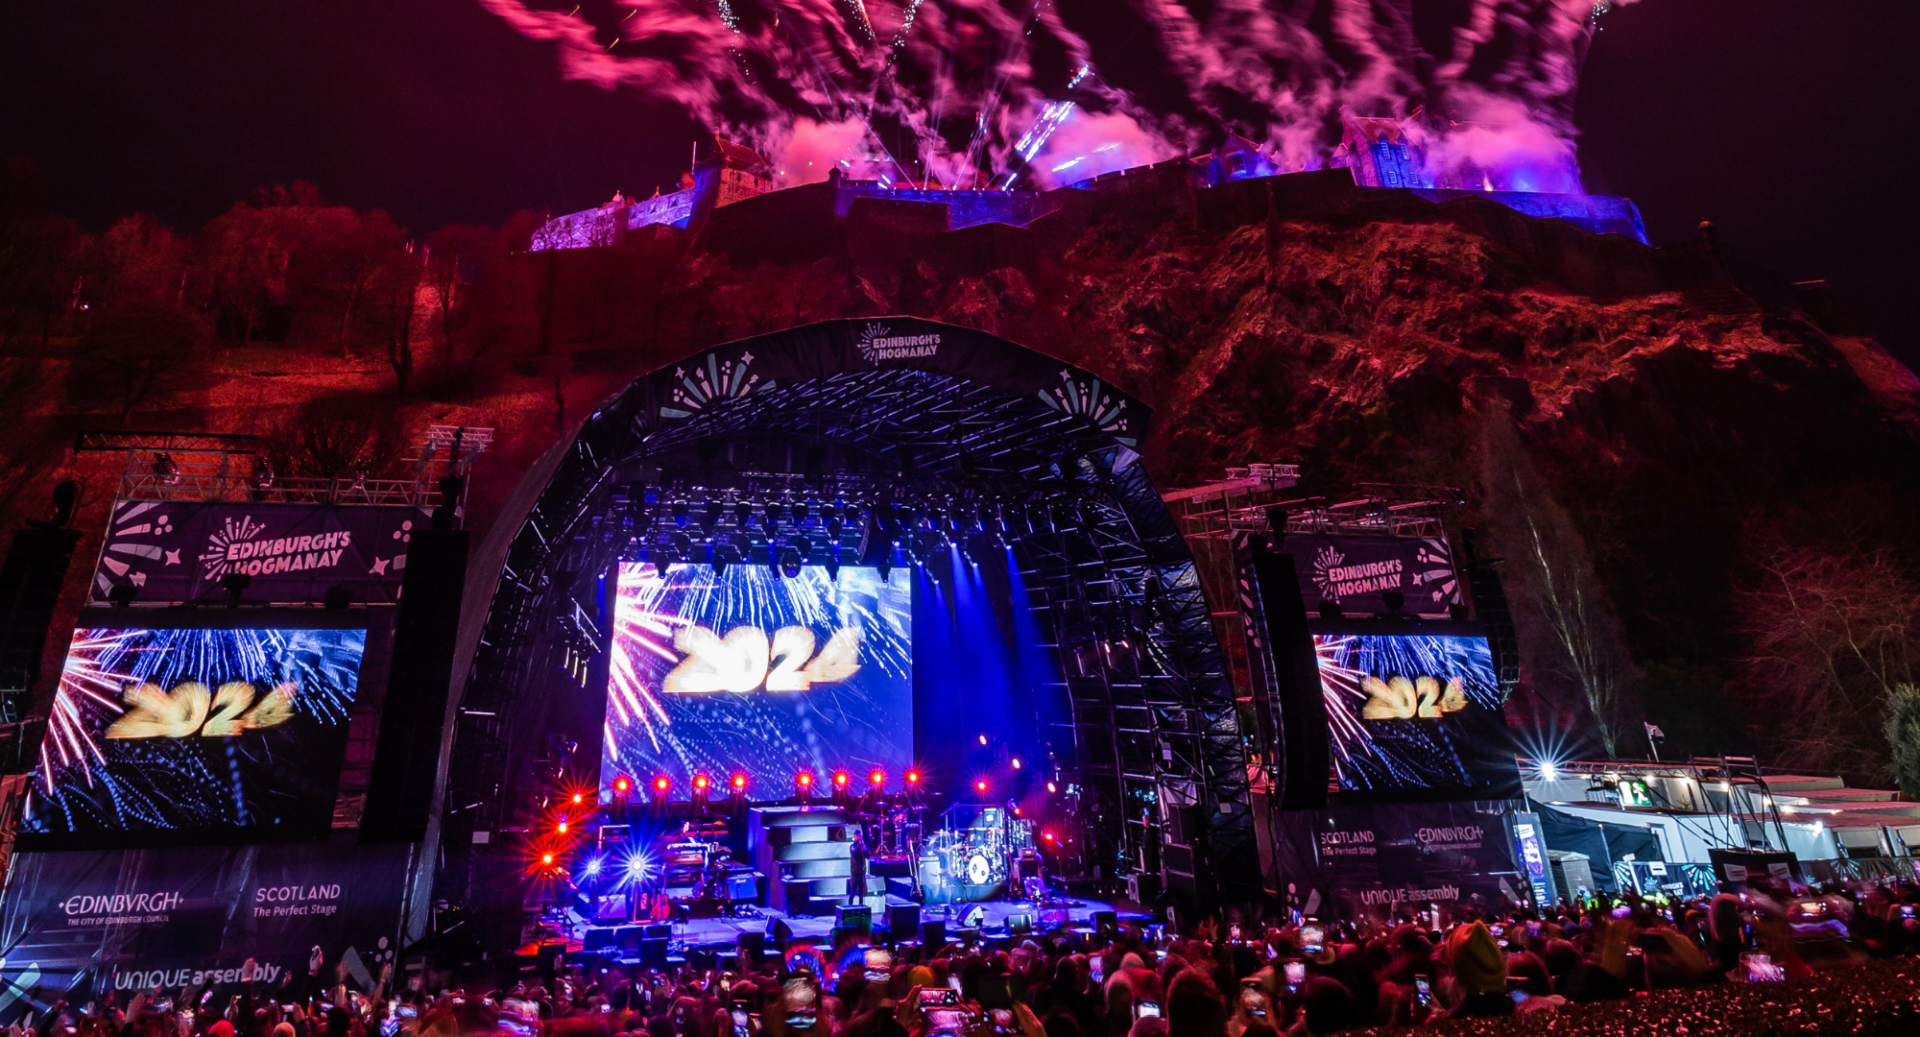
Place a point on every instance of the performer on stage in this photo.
(857, 884)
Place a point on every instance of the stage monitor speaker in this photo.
(1019, 925)
(408, 751)
(933, 935)
(629, 937)
(779, 932)
(1302, 708)
(902, 920)
(656, 931)
(856, 917)
(653, 953)
(599, 938)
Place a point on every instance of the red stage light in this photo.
(578, 799)
(700, 783)
(877, 779)
(563, 826)
(660, 784)
(622, 785)
(980, 786)
(546, 858)
(913, 777)
(1047, 836)
(840, 779)
(804, 781)
(739, 782)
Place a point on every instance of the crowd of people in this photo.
(1219, 978)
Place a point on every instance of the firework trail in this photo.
(951, 87)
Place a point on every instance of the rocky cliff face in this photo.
(1665, 426)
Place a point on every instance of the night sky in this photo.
(1790, 123)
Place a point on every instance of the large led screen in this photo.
(1415, 715)
(748, 672)
(195, 732)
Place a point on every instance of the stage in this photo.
(720, 935)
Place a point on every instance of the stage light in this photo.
(1051, 787)
(790, 562)
(739, 782)
(774, 513)
(913, 778)
(1047, 836)
(742, 514)
(803, 785)
(546, 858)
(622, 786)
(561, 827)
(578, 799)
(679, 510)
(877, 779)
(637, 866)
(980, 786)
(712, 517)
(1549, 772)
(660, 787)
(1016, 763)
(840, 779)
(235, 584)
(700, 783)
(593, 866)
(983, 739)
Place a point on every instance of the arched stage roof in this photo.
(861, 409)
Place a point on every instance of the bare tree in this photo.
(1833, 632)
(1570, 638)
(1903, 738)
(137, 355)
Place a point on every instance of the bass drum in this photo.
(979, 869)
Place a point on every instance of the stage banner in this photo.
(1354, 572)
(177, 551)
(77, 925)
(1382, 860)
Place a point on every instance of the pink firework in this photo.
(639, 627)
(1340, 687)
(84, 687)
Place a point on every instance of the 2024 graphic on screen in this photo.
(745, 660)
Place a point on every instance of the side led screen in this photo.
(1415, 715)
(192, 731)
(745, 672)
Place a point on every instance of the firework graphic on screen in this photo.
(1407, 712)
(749, 672)
(188, 729)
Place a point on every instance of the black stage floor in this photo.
(722, 933)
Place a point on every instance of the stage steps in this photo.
(806, 854)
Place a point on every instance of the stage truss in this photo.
(1153, 741)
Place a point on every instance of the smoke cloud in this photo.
(967, 91)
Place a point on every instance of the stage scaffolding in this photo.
(1152, 741)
